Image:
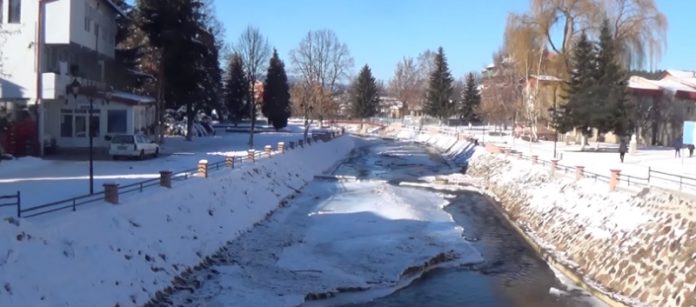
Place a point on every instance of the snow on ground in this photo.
(360, 235)
(104, 254)
(43, 181)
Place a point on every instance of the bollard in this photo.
(229, 161)
(281, 147)
(534, 159)
(309, 141)
(166, 179)
(203, 168)
(111, 193)
(268, 150)
(251, 155)
(292, 145)
(300, 143)
(579, 172)
(614, 181)
(554, 165)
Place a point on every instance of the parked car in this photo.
(132, 145)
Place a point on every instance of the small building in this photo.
(79, 38)
(663, 105)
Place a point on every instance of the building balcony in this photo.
(55, 85)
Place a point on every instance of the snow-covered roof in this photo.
(131, 98)
(673, 86)
(637, 82)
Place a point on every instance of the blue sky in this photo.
(380, 32)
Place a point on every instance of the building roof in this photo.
(130, 98)
(680, 84)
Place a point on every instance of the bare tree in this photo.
(407, 85)
(321, 61)
(253, 47)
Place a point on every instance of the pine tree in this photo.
(471, 101)
(579, 92)
(613, 107)
(236, 90)
(276, 94)
(364, 95)
(439, 95)
(173, 27)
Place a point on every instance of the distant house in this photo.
(664, 105)
(79, 45)
(390, 107)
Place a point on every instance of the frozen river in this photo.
(372, 242)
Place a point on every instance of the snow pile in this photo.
(104, 255)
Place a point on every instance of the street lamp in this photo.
(555, 113)
(75, 87)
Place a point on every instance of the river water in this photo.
(511, 274)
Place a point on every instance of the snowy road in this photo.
(352, 241)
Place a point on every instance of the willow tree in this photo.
(638, 26)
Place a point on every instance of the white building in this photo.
(79, 38)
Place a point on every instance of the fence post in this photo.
(649, 172)
(229, 161)
(300, 143)
(111, 193)
(554, 164)
(166, 179)
(579, 172)
(292, 145)
(251, 155)
(19, 204)
(534, 159)
(268, 150)
(203, 168)
(281, 147)
(615, 177)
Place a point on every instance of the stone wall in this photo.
(637, 247)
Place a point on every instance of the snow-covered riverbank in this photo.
(104, 255)
(633, 247)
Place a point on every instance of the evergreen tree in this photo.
(613, 107)
(276, 94)
(579, 92)
(364, 95)
(472, 100)
(174, 28)
(236, 90)
(439, 95)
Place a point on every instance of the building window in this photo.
(80, 126)
(15, 11)
(66, 126)
(116, 121)
(88, 24)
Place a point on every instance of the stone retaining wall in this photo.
(649, 262)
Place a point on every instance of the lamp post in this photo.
(74, 88)
(555, 113)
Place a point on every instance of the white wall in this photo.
(99, 13)
(65, 23)
(57, 30)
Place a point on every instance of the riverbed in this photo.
(372, 242)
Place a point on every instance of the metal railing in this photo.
(9, 203)
(74, 202)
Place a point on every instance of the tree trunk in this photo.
(252, 114)
(189, 120)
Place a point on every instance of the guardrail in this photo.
(652, 177)
(16, 203)
(75, 202)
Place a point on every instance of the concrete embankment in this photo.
(629, 247)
